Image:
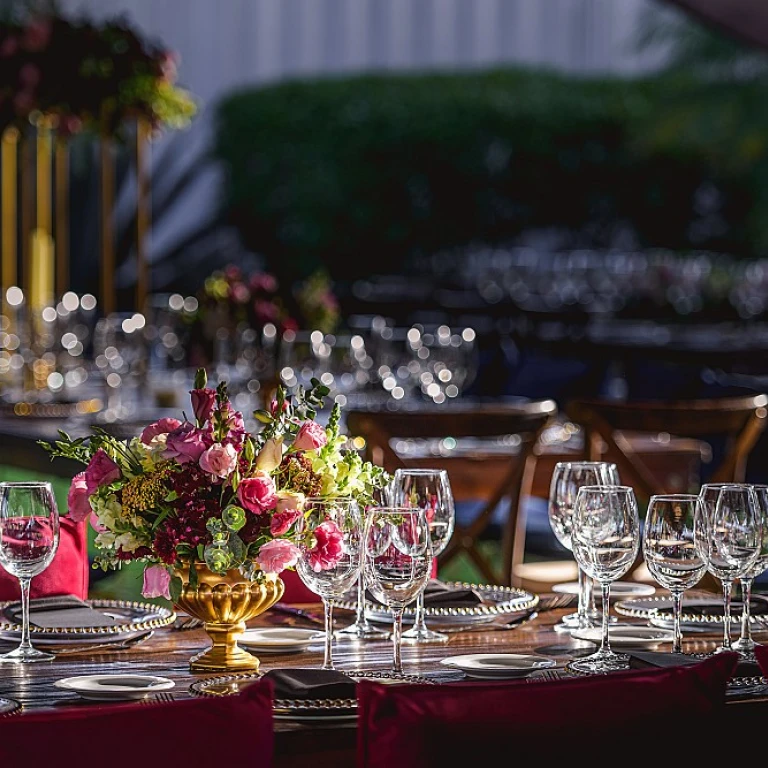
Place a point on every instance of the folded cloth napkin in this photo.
(311, 684)
(648, 659)
(60, 611)
(761, 654)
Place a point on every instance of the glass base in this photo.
(423, 635)
(362, 631)
(25, 656)
(572, 621)
(745, 647)
(600, 663)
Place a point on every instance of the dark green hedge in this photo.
(371, 170)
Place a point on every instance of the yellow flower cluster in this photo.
(144, 492)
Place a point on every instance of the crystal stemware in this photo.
(29, 538)
(330, 556)
(567, 478)
(728, 534)
(669, 549)
(430, 490)
(606, 539)
(398, 560)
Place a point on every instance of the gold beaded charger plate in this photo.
(122, 619)
(9, 707)
(494, 601)
(300, 710)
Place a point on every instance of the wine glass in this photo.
(567, 478)
(430, 490)
(728, 534)
(605, 535)
(669, 549)
(398, 561)
(29, 537)
(745, 645)
(330, 548)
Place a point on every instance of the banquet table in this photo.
(168, 651)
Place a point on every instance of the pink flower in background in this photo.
(157, 582)
(282, 521)
(240, 293)
(160, 427)
(100, 471)
(257, 494)
(185, 444)
(310, 436)
(327, 550)
(36, 35)
(277, 555)
(219, 460)
(273, 407)
(203, 401)
(78, 505)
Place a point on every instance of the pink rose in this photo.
(277, 555)
(219, 460)
(327, 550)
(310, 436)
(77, 499)
(157, 582)
(160, 427)
(203, 402)
(273, 407)
(257, 494)
(185, 444)
(100, 471)
(282, 521)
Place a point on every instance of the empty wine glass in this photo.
(567, 478)
(398, 560)
(430, 490)
(670, 551)
(728, 536)
(745, 645)
(605, 535)
(330, 554)
(29, 538)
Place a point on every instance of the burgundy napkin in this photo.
(311, 684)
(61, 611)
(761, 654)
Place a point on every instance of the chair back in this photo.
(489, 452)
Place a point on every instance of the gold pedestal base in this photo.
(224, 654)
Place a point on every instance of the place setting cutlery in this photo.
(129, 642)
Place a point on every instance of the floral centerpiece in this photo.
(203, 497)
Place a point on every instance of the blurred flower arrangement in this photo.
(208, 491)
(86, 75)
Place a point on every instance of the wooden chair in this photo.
(480, 472)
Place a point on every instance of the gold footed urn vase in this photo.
(224, 604)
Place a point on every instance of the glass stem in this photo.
(397, 634)
(418, 621)
(589, 600)
(605, 643)
(727, 615)
(328, 616)
(677, 607)
(25, 643)
(746, 596)
(360, 618)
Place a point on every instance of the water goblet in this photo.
(430, 490)
(397, 562)
(330, 548)
(567, 478)
(745, 645)
(606, 539)
(728, 533)
(29, 538)
(670, 551)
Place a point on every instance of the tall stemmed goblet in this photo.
(745, 645)
(330, 556)
(430, 490)
(398, 561)
(567, 478)
(606, 539)
(728, 535)
(29, 538)
(670, 551)
(361, 628)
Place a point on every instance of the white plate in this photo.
(498, 665)
(110, 687)
(619, 589)
(279, 639)
(627, 636)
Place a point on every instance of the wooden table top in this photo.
(168, 651)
